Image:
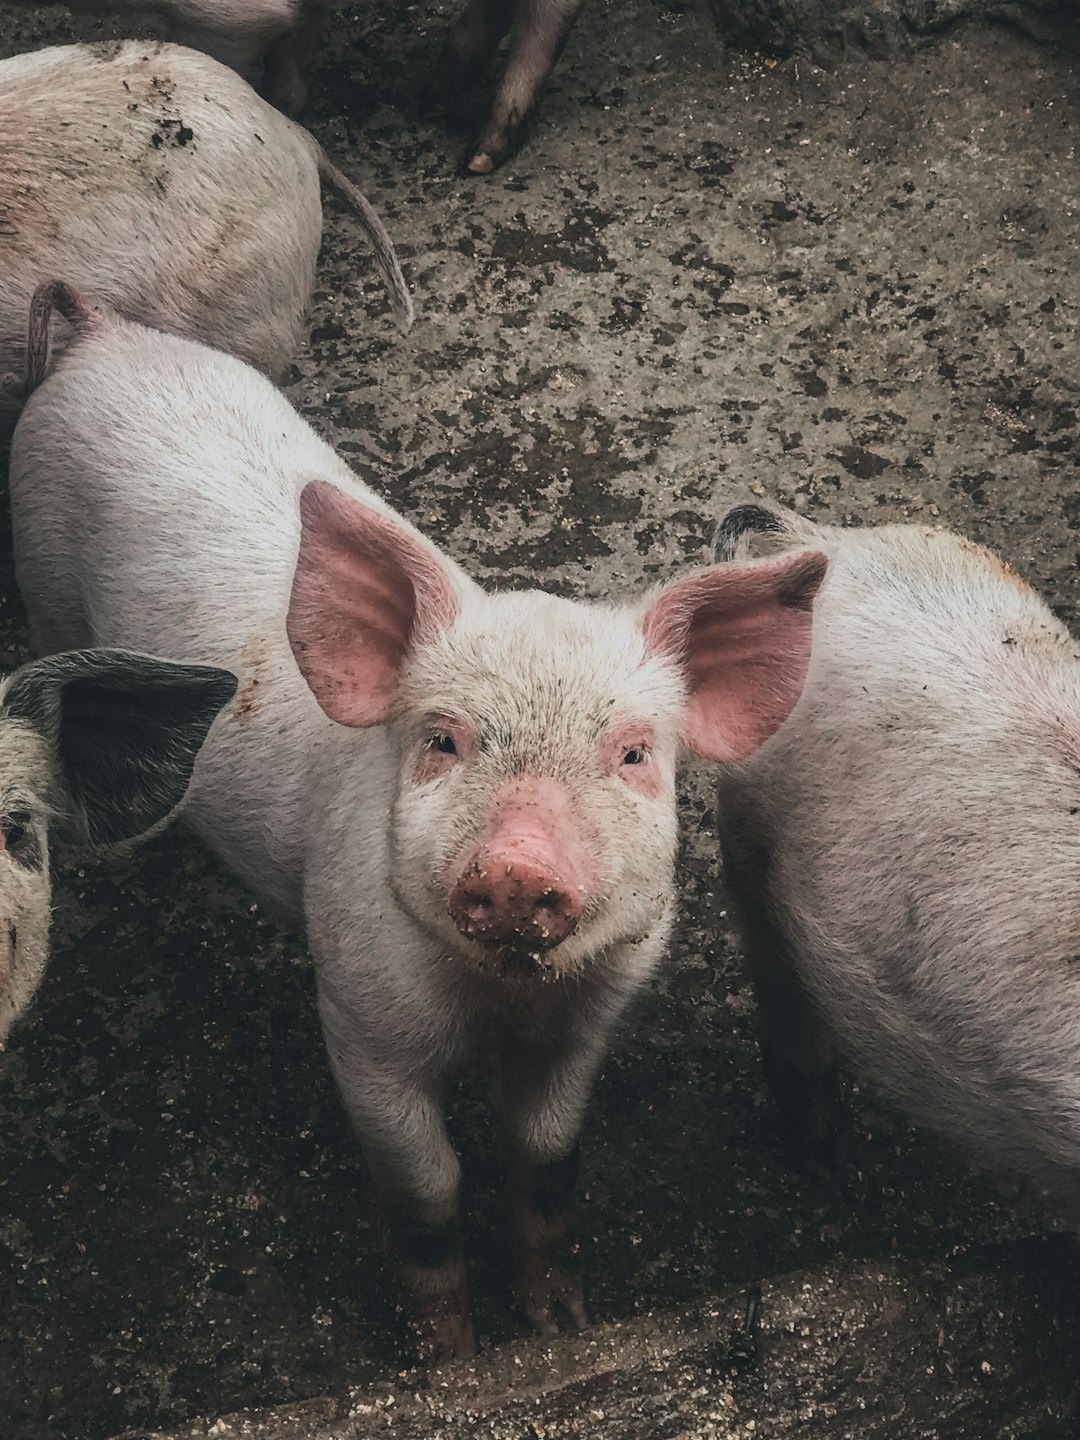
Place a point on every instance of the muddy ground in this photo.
(708, 276)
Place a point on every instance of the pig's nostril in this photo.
(514, 901)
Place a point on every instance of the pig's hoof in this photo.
(480, 164)
(557, 1305)
(442, 1341)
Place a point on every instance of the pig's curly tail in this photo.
(49, 296)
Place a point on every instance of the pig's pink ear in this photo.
(365, 591)
(742, 635)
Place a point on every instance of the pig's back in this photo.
(916, 829)
(154, 495)
(152, 178)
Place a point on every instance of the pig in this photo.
(538, 30)
(267, 41)
(905, 852)
(164, 186)
(465, 798)
(96, 745)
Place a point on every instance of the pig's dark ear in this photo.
(366, 589)
(741, 633)
(124, 731)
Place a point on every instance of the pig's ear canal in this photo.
(125, 731)
(742, 635)
(365, 591)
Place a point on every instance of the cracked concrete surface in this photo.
(708, 275)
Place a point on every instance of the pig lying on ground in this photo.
(163, 185)
(538, 30)
(98, 744)
(906, 851)
(467, 798)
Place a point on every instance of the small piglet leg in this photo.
(539, 31)
(399, 1117)
(543, 1097)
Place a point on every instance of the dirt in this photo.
(709, 275)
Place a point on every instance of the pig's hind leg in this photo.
(539, 31)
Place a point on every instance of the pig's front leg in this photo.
(800, 1066)
(544, 1093)
(537, 36)
(796, 1046)
(397, 1111)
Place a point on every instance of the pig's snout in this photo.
(504, 899)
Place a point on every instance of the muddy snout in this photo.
(507, 899)
(527, 877)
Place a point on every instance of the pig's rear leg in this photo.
(544, 1094)
(537, 36)
(469, 50)
(398, 1116)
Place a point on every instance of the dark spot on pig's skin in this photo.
(251, 666)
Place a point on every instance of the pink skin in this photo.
(364, 591)
(743, 634)
(435, 759)
(629, 754)
(525, 879)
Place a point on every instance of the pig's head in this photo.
(97, 745)
(535, 814)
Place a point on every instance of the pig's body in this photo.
(906, 850)
(157, 181)
(267, 42)
(233, 509)
(490, 808)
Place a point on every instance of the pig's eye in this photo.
(442, 743)
(636, 755)
(18, 839)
